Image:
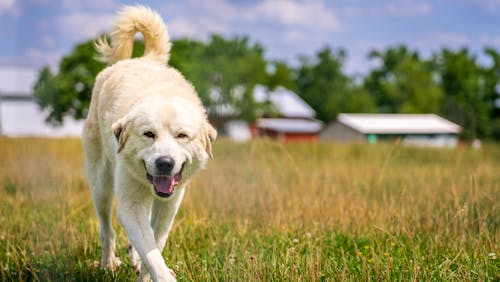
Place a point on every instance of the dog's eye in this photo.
(181, 136)
(149, 134)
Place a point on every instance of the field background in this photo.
(266, 211)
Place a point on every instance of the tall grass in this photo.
(266, 211)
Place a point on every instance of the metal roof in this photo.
(286, 102)
(399, 123)
(290, 125)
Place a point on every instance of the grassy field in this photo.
(267, 211)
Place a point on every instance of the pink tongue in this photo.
(164, 184)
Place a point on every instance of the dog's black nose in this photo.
(164, 165)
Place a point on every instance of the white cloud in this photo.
(402, 8)
(220, 16)
(9, 7)
(6, 5)
(222, 10)
(285, 28)
(309, 15)
(81, 26)
(99, 5)
(183, 28)
(408, 8)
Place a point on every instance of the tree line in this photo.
(224, 71)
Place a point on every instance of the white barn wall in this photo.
(414, 129)
(24, 118)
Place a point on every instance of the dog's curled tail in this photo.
(133, 19)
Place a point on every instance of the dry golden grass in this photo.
(270, 211)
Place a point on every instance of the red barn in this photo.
(290, 118)
(295, 118)
(288, 129)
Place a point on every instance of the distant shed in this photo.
(287, 103)
(287, 129)
(292, 118)
(413, 129)
(295, 120)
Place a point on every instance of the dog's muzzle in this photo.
(164, 185)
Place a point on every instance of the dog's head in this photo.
(164, 141)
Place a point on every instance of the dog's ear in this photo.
(209, 135)
(120, 131)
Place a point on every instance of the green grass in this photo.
(266, 211)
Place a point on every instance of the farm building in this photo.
(413, 129)
(19, 113)
(293, 119)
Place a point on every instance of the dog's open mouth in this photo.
(164, 185)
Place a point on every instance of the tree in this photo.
(403, 83)
(68, 92)
(280, 74)
(492, 88)
(324, 86)
(237, 67)
(187, 56)
(466, 99)
(223, 71)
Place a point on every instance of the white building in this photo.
(293, 120)
(413, 129)
(19, 113)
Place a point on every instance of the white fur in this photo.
(130, 97)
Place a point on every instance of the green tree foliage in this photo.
(224, 72)
(492, 89)
(280, 74)
(68, 92)
(403, 83)
(466, 95)
(324, 86)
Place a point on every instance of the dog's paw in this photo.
(144, 277)
(135, 259)
(112, 263)
(171, 272)
(168, 276)
(171, 276)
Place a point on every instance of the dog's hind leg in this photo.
(102, 194)
(100, 175)
(103, 202)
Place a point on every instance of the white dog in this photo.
(146, 134)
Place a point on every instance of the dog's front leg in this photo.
(162, 218)
(163, 215)
(135, 220)
(133, 213)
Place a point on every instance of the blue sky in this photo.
(38, 32)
